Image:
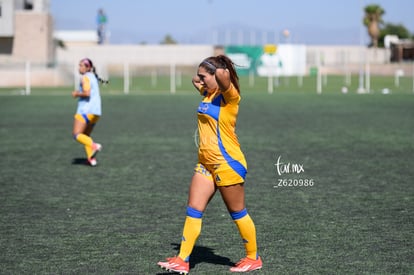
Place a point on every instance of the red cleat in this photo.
(92, 162)
(175, 264)
(246, 265)
(96, 147)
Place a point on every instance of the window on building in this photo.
(28, 4)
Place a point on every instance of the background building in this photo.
(29, 52)
(26, 31)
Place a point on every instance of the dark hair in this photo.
(221, 61)
(89, 64)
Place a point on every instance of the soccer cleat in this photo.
(92, 162)
(96, 147)
(175, 264)
(246, 265)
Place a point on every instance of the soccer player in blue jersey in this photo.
(89, 109)
(221, 164)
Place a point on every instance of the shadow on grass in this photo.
(202, 254)
(80, 161)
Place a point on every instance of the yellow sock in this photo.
(247, 231)
(88, 151)
(191, 231)
(87, 141)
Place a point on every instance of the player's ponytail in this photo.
(88, 63)
(103, 81)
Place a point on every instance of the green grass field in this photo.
(59, 216)
(331, 84)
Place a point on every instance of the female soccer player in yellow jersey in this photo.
(221, 164)
(89, 109)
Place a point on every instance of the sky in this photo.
(224, 22)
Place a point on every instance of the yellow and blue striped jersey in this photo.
(217, 116)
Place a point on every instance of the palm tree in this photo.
(372, 20)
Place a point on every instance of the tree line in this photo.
(378, 29)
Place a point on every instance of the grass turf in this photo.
(58, 216)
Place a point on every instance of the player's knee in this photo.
(194, 213)
(236, 215)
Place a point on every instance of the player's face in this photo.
(83, 68)
(207, 80)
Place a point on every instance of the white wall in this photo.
(154, 55)
(143, 55)
(7, 18)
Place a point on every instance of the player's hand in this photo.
(222, 71)
(197, 82)
(74, 94)
(196, 79)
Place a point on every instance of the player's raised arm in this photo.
(226, 73)
(223, 79)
